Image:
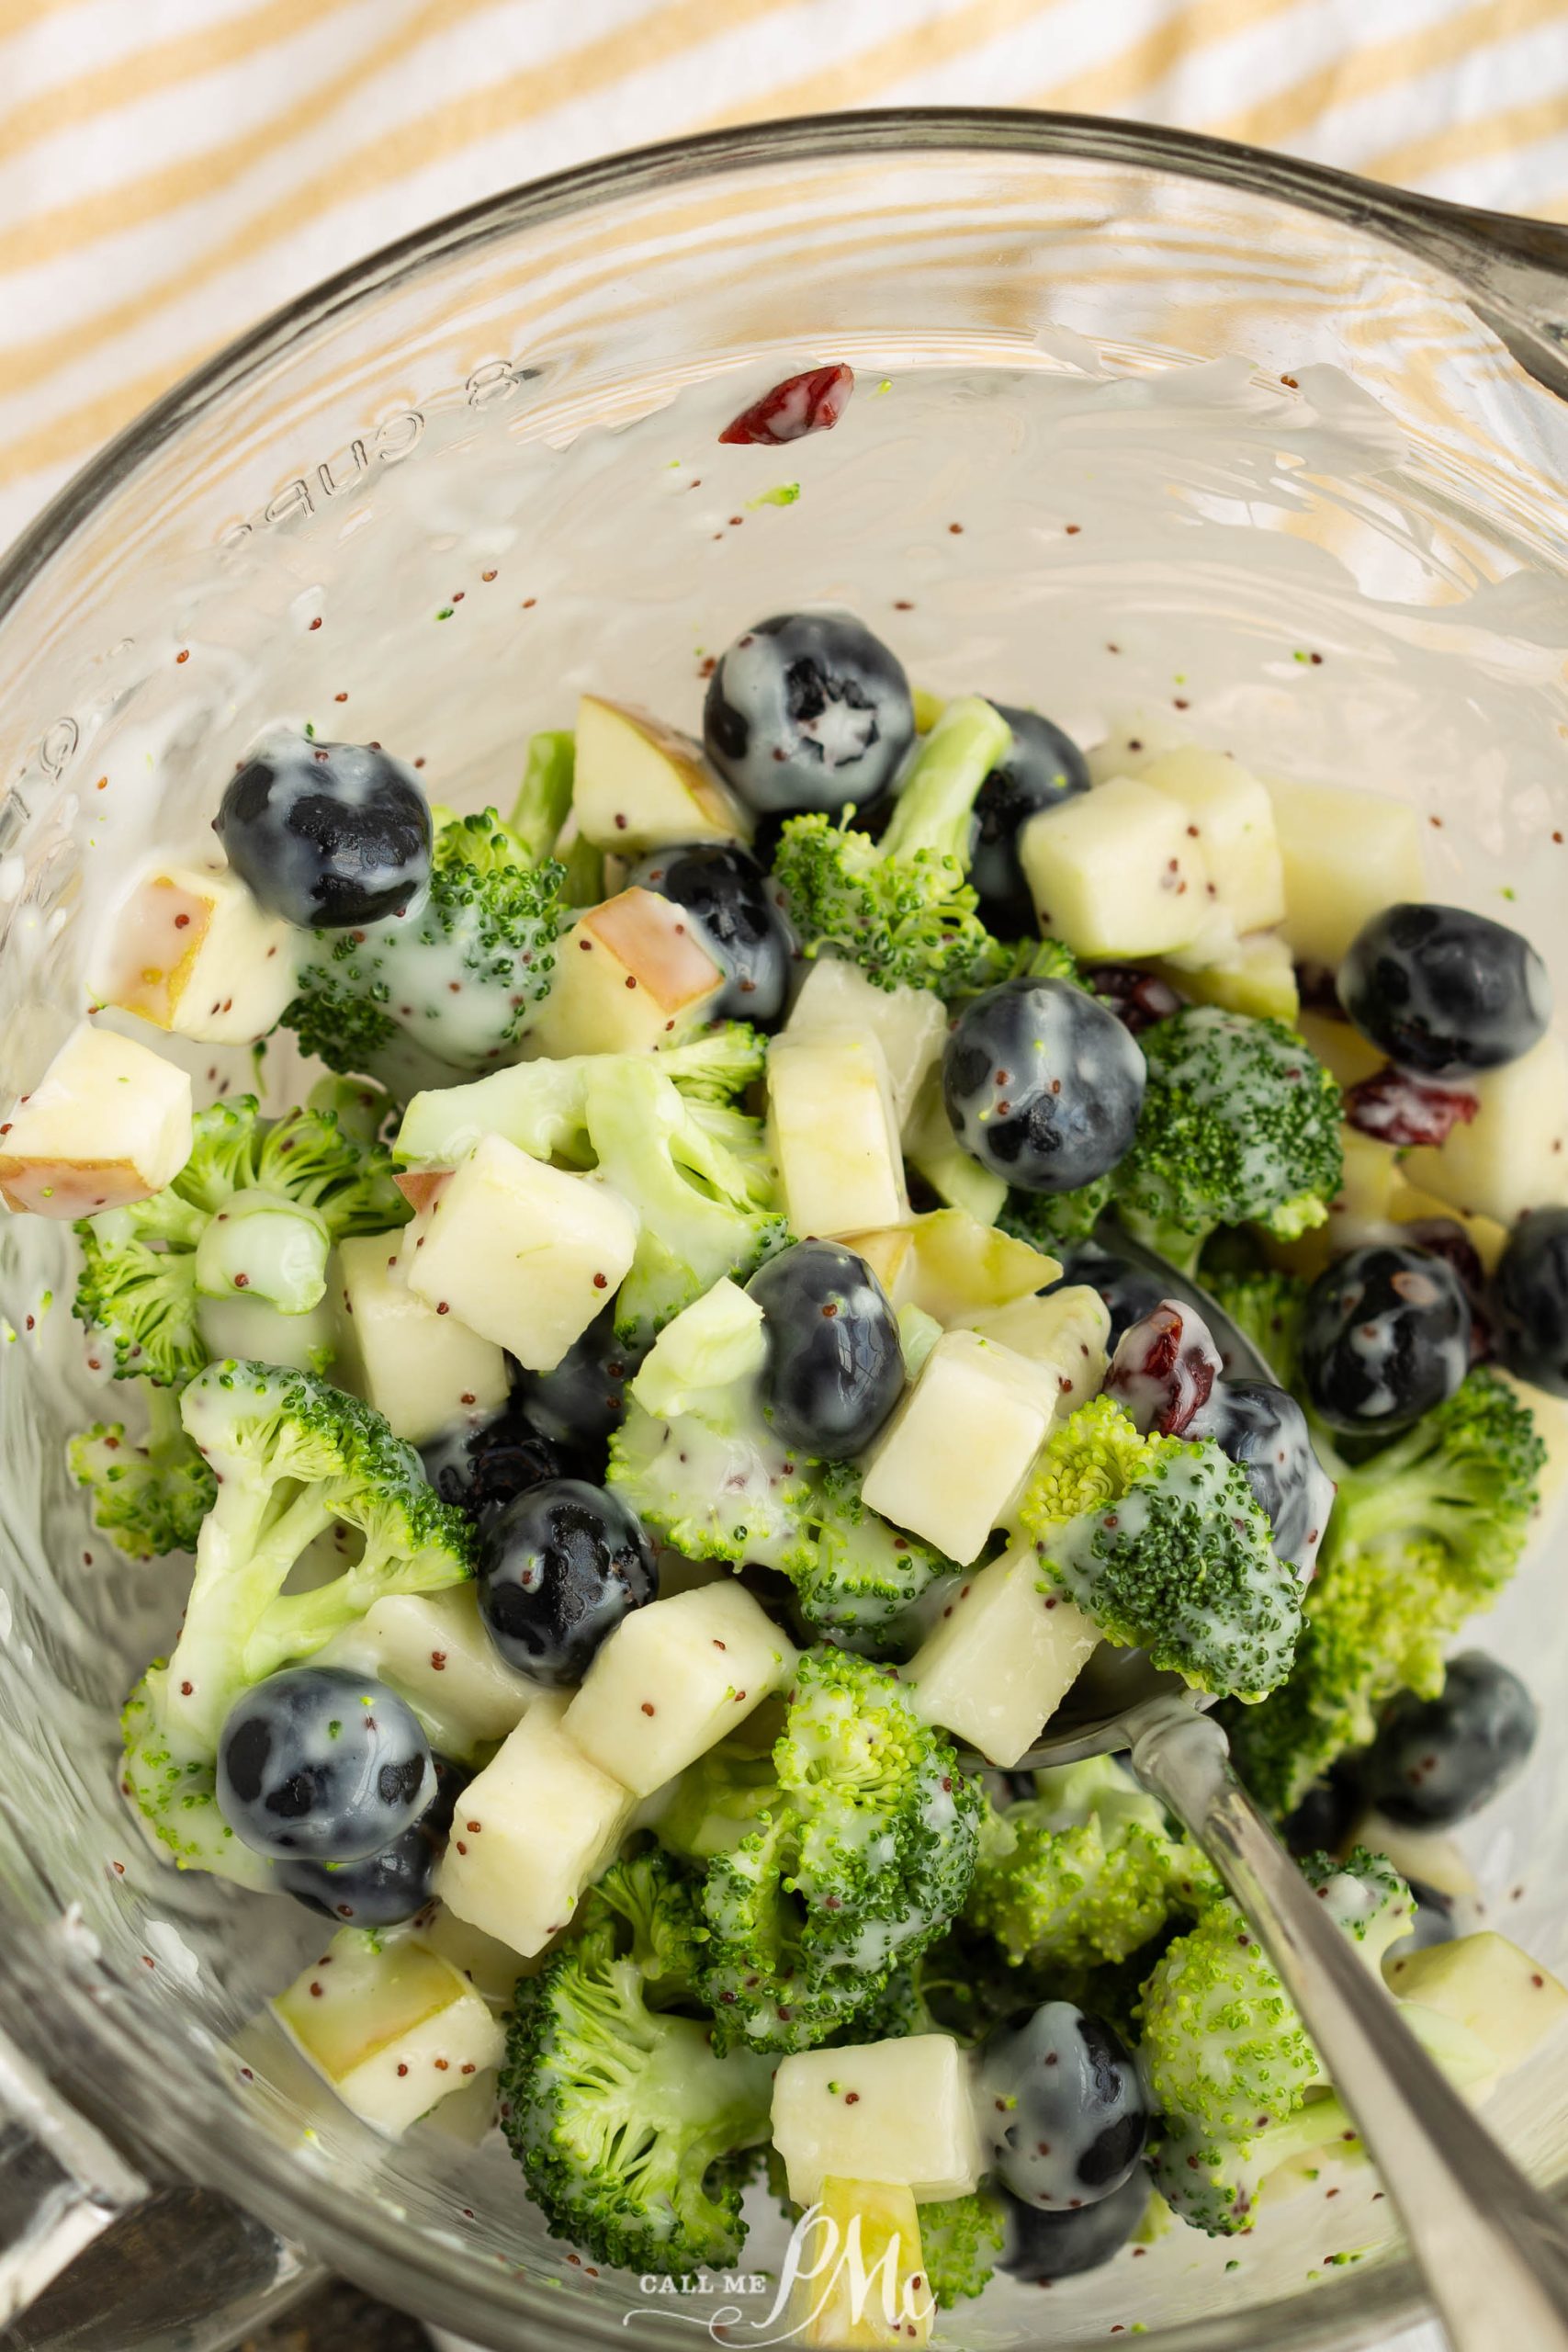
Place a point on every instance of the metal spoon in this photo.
(1494, 2250)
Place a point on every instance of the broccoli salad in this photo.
(649, 1440)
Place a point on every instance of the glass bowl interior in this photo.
(1127, 443)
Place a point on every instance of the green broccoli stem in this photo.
(1397, 1491)
(582, 867)
(240, 1572)
(1173, 1241)
(931, 817)
(165, 1427)
(544, 797)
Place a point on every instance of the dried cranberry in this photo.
(1137, 997)
(801, 404)
(1164, 1369)
(1399, 1109)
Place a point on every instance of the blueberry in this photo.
(327, 835)
(317, 1762)
(1385, 1336)
(1264, 1430)
(1043, 1084)
(736, 910)
(835, 1368)
(1437, 1761)
(808, 710)
(1129, 1292)
(559, 1567)
(579, 1403)
(1324, 1819)
(388, 1886)
(1443, 992)
(1061, 2107)
(1060, 2244)
(480, 1469)
(1529, 1300)
(1043, 768)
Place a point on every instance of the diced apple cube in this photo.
(192, 952)
(424, 1370)
(1347, 854)
(1258, 979)
(1115, 872)
(1513, 1155)
(524, 1253)
(389, 2026)
(1343, 1051)
(1489, 1986)
(834, 1134)
(880, 2224)
(961, 1267)
(433, 1649)
(910, 1024)
(493, 1969)
(934, 1152)
(898, 2112)
(641, 785)
(108, 1123)
(1235, 829)
(1066, 1334)
(950, 1461)
(1430, 1856)
(1003, 1657)
(534, 1829)
(674, 1679)
(630, 976)
(890, 1254)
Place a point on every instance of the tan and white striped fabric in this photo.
(171, 169)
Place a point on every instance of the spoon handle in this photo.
(1494, 2250)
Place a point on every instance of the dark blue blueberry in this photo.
(1444, 992)
(808, 710)
(1265, 1430)
(389, 1886)
(1529, 1300)
(327, 835)
(1437, 1761)
(736, 909)
(584, 1399)
(559, 1567)
(1130, 1292)
(1059, 2245)
(317, 1762)
(835, 1368)
(1043, 768)
(1062, 2111)
(1385, 1336)
(1043, 1084)
(480, 1469)
(1328, 1811)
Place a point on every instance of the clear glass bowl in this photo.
(1142, 424)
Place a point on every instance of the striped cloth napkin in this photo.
(171, 169)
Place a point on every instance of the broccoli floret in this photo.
(662, 1927)
(1162, 1544)
(960, 2240)
(1084, 1872)
(901, 907)
(1421, 1536)
(706, 1213)
(856, 1577)
(361, 1108)
(622, 2116)
(1233, 2073)
(291, 1457)
(718, 1065)
(146, 1267)
(1240, 1125)
(1047, 1220)
(1267, 1308)
(862, 1857)
(150, 1497)
(712, 1481)
(447, 985)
